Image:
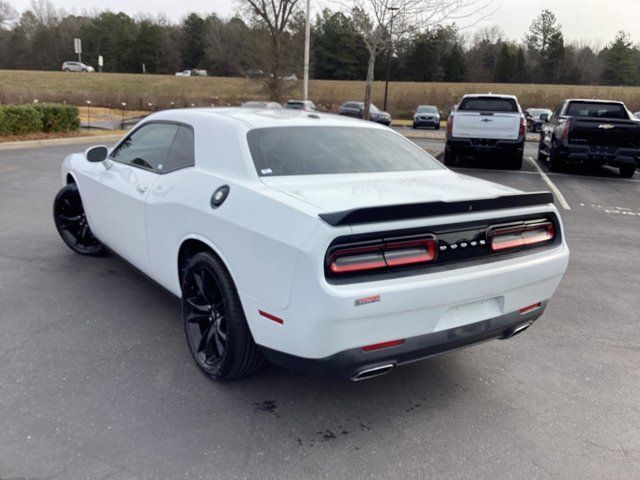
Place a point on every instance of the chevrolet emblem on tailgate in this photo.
(606, 126)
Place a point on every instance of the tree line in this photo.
(41, 38)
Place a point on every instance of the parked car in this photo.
(637, 115)
(76, 67)
(307, 105)
(254, 73)
(486, 124)
(426, 116)
(183, 73)
(356, 110)
(259, 104)
(291, 77)
(591, 132)
(533, 117)
(331, 246)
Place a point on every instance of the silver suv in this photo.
(76, 67)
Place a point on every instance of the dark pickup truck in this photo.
(591, 132)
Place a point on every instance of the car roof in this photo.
(593, 100)
(250, 118)
(494, 95)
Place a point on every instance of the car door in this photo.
(116, 201)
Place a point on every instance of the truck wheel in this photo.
(515, 161)
(414, 126)
(450, 158)
(627, 171)
(555, 163)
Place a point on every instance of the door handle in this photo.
(141, 188)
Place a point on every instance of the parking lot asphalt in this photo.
(96, 380)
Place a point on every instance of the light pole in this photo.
(386, 83)
(307, 39)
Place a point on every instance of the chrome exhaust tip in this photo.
(517, 330)
(372, 372)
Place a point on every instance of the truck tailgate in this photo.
(605, 132)
(494, 126)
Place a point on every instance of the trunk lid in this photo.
(330, 193)
(605, 132)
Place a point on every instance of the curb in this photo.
(52, 142)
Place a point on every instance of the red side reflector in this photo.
(273, 318)
(530, 308)
(378, 346)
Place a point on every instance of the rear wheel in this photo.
(627, 171)
(556, 164)
(414, 126)
(216, 328)
(450, 158)
(72, 225)
(543, 157)
(515, 161)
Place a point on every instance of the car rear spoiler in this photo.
(433, 209)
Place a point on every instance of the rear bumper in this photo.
(349, 363)
(591, 155)
(474, 146)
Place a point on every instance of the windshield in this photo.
(426, 109)
(327, 150)
(295, 105)
(373, 108)
(488, 104)
(597, 109)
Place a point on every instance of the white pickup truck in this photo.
(486, 124)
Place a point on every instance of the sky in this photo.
(589, 20)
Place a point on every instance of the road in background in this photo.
(96, 379)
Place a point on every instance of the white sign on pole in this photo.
(100, 61)
(77, 45)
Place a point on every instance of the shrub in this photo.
(46, 117)
(19, 120)
(58, 117)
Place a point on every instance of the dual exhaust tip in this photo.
(380, 370)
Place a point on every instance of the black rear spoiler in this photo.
(433, 209)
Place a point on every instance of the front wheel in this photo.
(72, 224)
(217, 331)
(627, 171)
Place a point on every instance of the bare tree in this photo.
(276, 16)
(382, 21)
(7, 14)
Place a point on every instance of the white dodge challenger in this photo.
(326, 244)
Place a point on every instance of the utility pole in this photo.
(389, 47)
(307, 40)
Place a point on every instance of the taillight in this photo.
(450, 126)
(383, 255)
(518, 236)
(523, 126)
(566, 129)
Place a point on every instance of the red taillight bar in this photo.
(384, 255)
(521, 236)
(530, 308)
(273, 318)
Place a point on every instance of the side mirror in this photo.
(544, 117)
(96, 154)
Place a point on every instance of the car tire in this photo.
(66, 70)
(415, 126)
(72, 224)
(556, 164)
(543, 157)
(84, 70)
(627, 171)
(515, 161)
(438, 127)
(216, 328)
(450, 159)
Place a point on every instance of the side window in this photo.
(181, 154)
(147, 147)
(556, 112)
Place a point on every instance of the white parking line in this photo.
(556, 191)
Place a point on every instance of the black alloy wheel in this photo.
(72, 225)
(214, 322)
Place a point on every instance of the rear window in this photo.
(596, 109)
(488, 104)
(282, 151)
